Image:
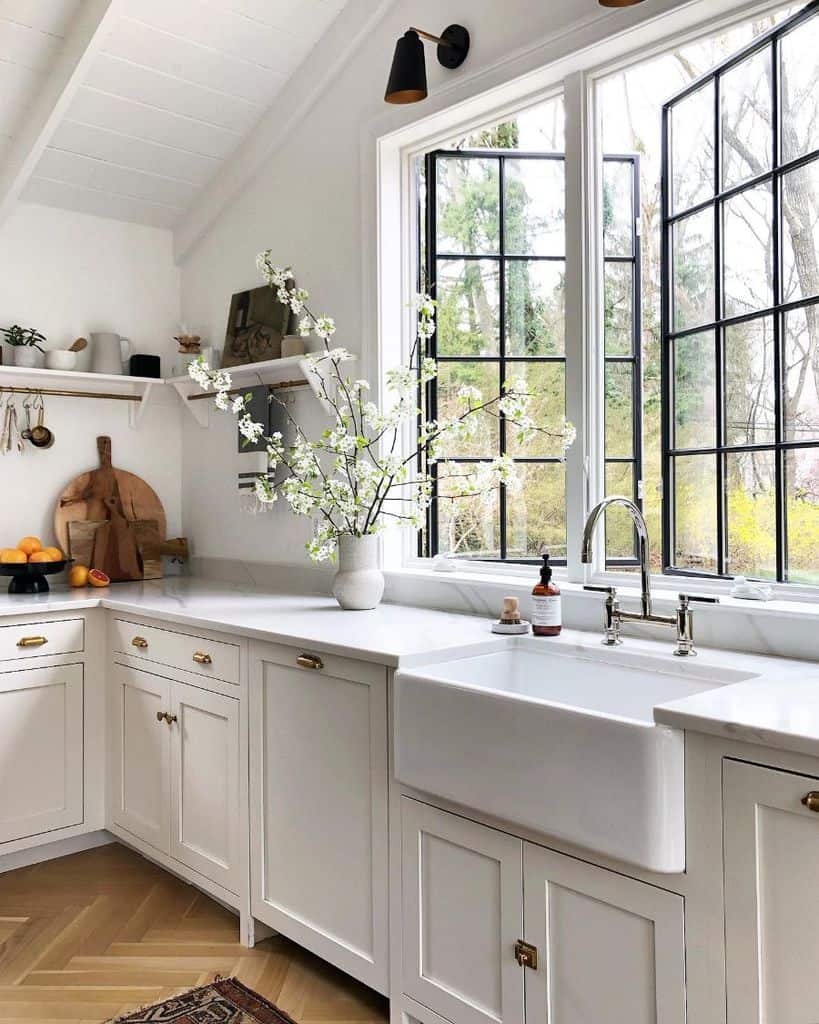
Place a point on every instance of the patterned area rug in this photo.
(226, 1001)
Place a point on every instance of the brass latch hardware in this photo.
(202, 659)
(310, 661)
(32, 641)
(526, 954)
(139, 641)
(166, 716)
(811, 801)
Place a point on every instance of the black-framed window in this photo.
(495, 262)
(740, 174)
(622, 269)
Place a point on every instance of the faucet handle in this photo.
(700, 598)
(611, 591)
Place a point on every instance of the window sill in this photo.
(784, 628)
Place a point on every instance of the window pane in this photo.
(747, 245)
(695, 512)
(800, 233)
(536, 513)
(692, 149)
(800, 56)
(468, 307)
(547, 382)
(751, 486)
(484, 376)
(695, 422)
(802, 374)
(618, 208)
(750, 414)
(747, 141)
(802, 489)
(467, 526)
(619, 527)
(692, 240)
(619, 410)
(468, 201)
(619, 308)
(534, 207)
(535, 308)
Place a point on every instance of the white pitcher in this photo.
(109, 352)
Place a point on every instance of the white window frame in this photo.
(571, 65)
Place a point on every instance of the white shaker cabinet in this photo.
(501, 931)
(175, 771)
(41, 750)
(318, 805)
(771, 878)
(462, 894)
(611, 949)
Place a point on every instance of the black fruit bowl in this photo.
(30, 577)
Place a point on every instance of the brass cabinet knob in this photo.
(811, 801)
(310, 661)
(139, 641)
(166, 716)
(202, 659)
(32, 641)
(160, 716)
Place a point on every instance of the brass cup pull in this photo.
(811, 801)
(139, 641)
(310, 661)
(202, 659)
(32, 641)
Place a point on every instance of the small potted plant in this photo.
(26, 345)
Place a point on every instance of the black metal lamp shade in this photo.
(408, 74)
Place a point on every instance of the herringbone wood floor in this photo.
(86, 937)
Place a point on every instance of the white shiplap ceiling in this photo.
(171, 90)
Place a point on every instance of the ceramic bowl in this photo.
(60, 359)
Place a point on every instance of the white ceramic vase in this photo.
(359, 583)
(28, 356)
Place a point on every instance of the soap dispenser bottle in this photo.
(546, 613)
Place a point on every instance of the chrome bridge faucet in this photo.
(613, 616)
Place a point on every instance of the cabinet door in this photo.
(318, 747)
(463, 914)
(771, 878)
(140, 753)
(205, 784)
(41, 750)
(611, 949)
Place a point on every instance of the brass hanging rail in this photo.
(64, 393)
(239, 391)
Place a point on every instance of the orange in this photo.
(55, 554)
(97, 578)
(30, 545)
(78, 576)
(41, 556)
(10, 555)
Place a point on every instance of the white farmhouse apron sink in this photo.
(558, 737)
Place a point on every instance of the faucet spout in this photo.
(643, 549)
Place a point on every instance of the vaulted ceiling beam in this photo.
(50, 103)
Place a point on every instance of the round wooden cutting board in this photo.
(139, 501)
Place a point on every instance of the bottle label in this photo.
(546, 611)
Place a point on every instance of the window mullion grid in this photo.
(432, 345)
(666, 326)
(719, 376)
(779, 381)
(502, 496)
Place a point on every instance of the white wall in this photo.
(68, 274)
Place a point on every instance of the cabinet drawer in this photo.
(38, 639)
(212, 658)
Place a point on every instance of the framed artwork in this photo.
(256, 325)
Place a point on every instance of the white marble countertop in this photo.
(778, 708)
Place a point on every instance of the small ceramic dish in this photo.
(60, 359)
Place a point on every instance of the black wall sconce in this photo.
(408, 74)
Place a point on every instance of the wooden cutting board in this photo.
(81, 545)
(84, 498)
